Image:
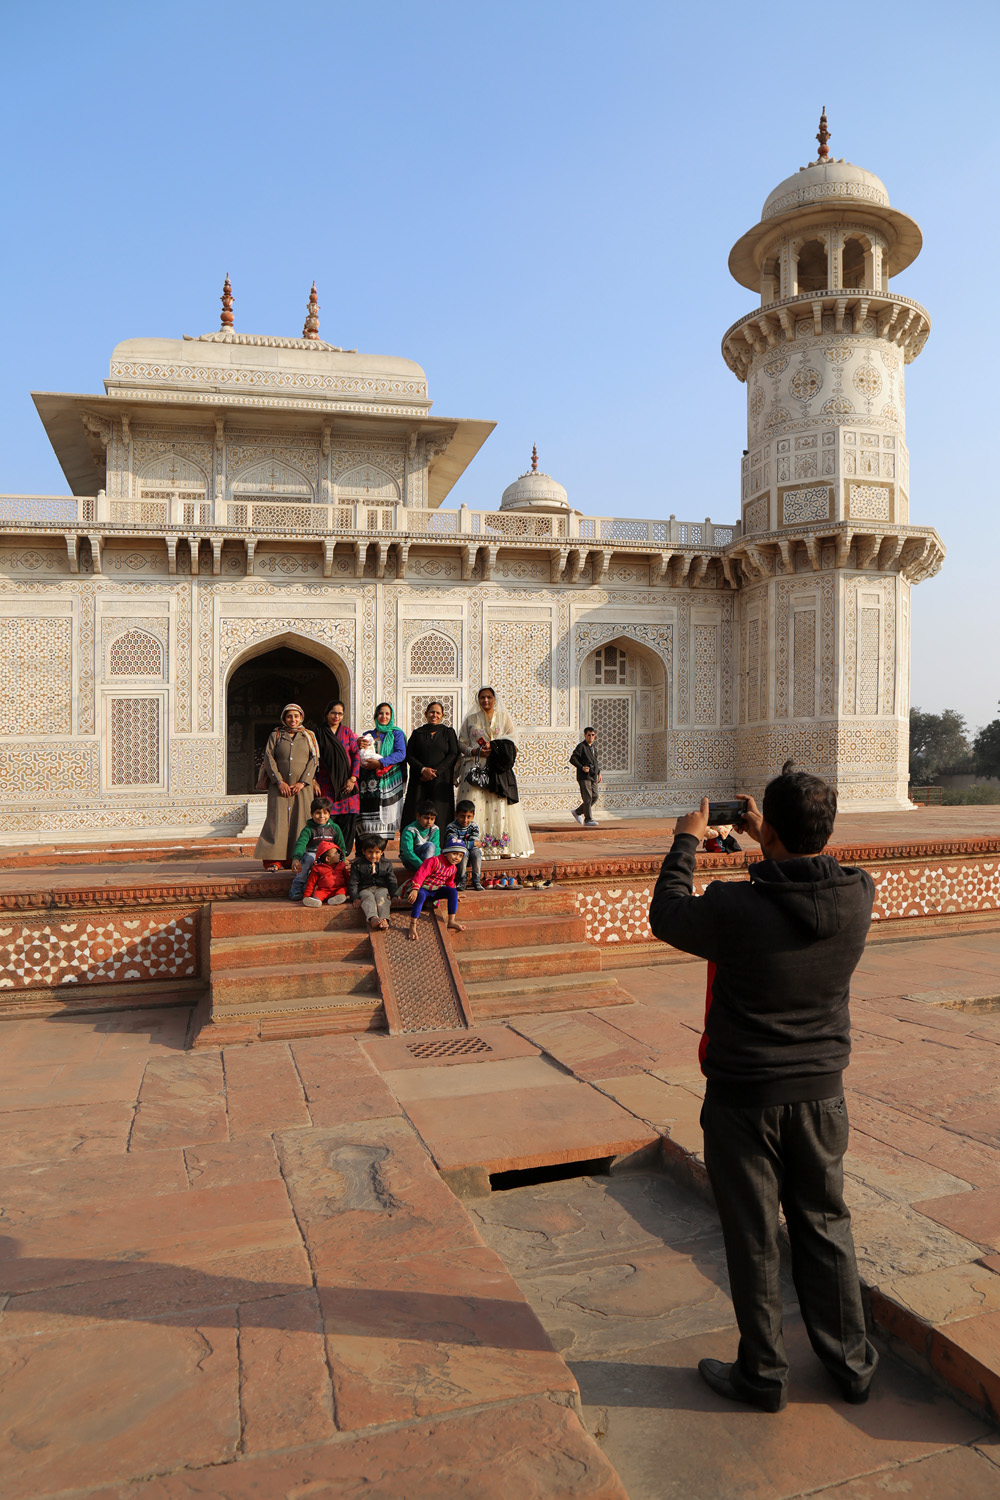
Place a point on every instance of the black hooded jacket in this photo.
(500, 769)
(781, 950)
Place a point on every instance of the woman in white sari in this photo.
(497, 817)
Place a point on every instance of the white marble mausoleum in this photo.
(256, 519)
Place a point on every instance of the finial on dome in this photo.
(823, 135)
(311, 327)
(534, 459)
(226, 299)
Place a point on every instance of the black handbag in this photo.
(478, 776)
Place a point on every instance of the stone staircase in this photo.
(279, 969)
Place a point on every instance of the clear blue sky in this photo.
(536, 201)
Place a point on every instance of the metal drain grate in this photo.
(459, 1046)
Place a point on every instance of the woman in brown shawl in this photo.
(290, 762)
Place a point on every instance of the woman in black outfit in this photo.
(431, 754)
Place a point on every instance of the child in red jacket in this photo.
(327, 882)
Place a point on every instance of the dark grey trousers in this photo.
(792, 1155)
(589, 795)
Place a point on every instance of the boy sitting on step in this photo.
(435, 880)
(421, 839)
(320, 829)
(372, 884)
(465, 831)
(326, 883)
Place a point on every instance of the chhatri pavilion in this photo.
(258, 519)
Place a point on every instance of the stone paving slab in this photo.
(633, 1320)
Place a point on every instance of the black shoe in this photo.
(719, 1377)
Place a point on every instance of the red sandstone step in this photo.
(227, 1030)
(277, 984)
(524, 989)
(500, 932)
(256, 918)
(290, 950)
(513, 962)
(496, 1000)
(554, 900)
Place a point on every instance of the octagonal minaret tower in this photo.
(827, 554)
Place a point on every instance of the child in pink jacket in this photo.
(436, 879)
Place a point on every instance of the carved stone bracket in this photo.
(216, 555)
(467, 557)
(600, 562)
(95, 549)
(71, 552)
(171, 542)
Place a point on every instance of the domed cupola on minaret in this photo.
(535, 492)
(827, 554)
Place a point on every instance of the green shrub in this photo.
(971, 796)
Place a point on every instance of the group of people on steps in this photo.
(331, 791)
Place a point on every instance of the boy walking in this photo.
(585, 762)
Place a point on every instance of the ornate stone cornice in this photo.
(900, 320)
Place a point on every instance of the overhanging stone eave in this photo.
(62, 414)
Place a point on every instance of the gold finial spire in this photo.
(534, 459)
(310, 329)
(227, 304)
(823, 135)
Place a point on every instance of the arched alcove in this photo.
(623, 694)
(813, 271)
(258, 688)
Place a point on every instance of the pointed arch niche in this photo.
(623, 694)
(285, 668)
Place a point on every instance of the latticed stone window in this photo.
(433, 655)
(135, 654)
(610, 717)
(418, 707)
(135, 741)
(613, 667)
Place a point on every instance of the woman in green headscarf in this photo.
(382, 781)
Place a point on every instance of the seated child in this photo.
(372, 882)
(464, 830)
(326, 884)
(436, 879)
(320, 829)
(420, 840)
(720, 840)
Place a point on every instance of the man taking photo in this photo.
(781, 950)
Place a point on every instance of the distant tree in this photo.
(938, 745)
(986, 750)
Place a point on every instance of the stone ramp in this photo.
(422, 988)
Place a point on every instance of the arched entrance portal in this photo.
(623, 694)
(257, 692)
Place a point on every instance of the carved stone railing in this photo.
(298, 515)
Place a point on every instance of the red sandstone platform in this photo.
(240, 1272)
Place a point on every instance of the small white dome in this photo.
(825, 182)
(533, 490)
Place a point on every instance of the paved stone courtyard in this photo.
(242, 1272)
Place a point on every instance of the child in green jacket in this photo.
(320, 829)
(420, 840)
